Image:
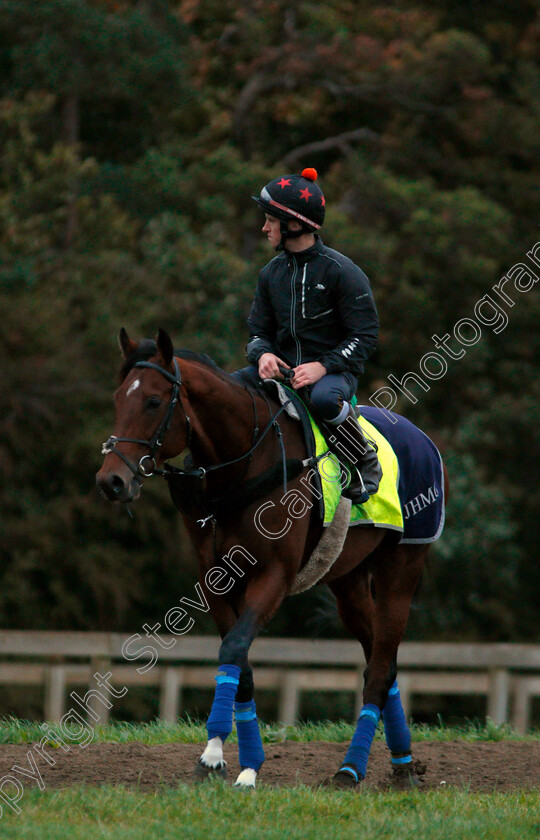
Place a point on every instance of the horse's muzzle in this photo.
(116, 488)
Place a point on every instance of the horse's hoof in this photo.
(202, 772)
(407, 776)
(244, 788)
(246, 780)
(340, 780)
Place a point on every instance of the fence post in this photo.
(498, 697)
(524, 689)
(288, 698)
(102, 666)
(55, 686)
(170, 686)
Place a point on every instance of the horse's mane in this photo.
(148, 348)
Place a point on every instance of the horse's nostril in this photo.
(112, 486)
(116, 484)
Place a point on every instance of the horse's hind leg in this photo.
(380, 626)
(396, 577)
(356, 608)
(405, 772)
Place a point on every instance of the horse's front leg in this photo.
(212, 762)
(250, 748)
(234, 681)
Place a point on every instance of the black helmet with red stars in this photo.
(294, 198)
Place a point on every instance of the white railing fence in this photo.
(508, 675)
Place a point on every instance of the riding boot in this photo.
(359, 456)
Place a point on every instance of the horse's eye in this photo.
(153, 403)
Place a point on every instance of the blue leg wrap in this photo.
(220, 718)
(398, 736)
(358, 752)
(250, 748)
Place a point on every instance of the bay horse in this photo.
(167, 403)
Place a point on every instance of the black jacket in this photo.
(314, 306)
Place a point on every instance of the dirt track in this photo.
(479, 767)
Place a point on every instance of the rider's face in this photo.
(272, 229)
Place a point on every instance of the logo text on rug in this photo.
(420, 502)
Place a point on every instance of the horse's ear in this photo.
(127, 346)
(165, 346)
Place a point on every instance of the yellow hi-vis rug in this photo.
(382, 510)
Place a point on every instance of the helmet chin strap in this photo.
(289, 234)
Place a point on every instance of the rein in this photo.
(147, 465)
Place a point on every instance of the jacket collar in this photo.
(302, 257)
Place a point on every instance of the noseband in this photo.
(147, 465)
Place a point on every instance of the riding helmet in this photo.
(294, 197)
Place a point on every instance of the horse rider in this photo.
(314, 315)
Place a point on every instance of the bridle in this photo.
(147, 465)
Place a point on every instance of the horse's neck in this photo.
(223, 416)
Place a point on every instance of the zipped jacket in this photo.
(315, 305)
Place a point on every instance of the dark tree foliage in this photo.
(132, 135)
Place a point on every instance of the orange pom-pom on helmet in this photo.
(294, 198)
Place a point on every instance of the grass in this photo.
(300, 813)
(186, 731)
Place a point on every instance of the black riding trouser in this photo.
(327, 395)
